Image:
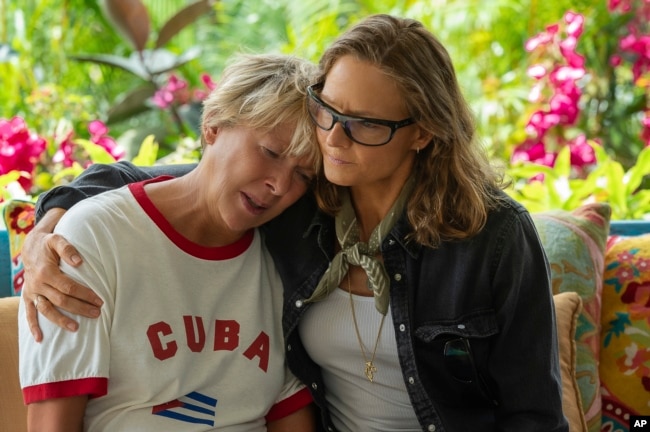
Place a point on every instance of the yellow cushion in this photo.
(13, 413)
(625, 350)
(567, 309)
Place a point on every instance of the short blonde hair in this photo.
(263, 91)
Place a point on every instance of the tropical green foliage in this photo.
(608, 182)
(66, 63)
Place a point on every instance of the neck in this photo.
(372, 205)
(179, 203)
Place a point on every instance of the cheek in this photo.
(325, 138)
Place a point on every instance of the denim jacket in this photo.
(473, 320)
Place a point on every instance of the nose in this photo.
(280, 181)
(336, 137)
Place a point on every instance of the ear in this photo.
(209, 134)
(421, 139)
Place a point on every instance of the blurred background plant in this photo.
(542, 77)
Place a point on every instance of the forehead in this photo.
(303, 154)
(358, 87)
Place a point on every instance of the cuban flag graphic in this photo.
(191, 408)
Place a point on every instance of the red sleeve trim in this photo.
(289, 405)
(93, 387)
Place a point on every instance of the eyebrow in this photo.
(360, 114)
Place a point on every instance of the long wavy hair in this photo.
(456, 186)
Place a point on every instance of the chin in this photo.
(338, 178)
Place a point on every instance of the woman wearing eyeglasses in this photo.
(417, 294)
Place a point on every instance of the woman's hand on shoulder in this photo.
(45, 286)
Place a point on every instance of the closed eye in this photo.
(272, 154)
(307, 178)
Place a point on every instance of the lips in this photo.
(336, 161)
(252, 205)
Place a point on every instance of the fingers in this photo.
(67, 294)
(44, 307)
(32, 320)
(64, 250)
(41, 269)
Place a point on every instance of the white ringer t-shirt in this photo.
(189, 338)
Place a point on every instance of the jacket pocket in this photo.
(452, 357)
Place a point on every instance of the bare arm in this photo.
(298, 421)
(57, 415)
(40, 254)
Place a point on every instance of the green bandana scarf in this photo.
(362, 254)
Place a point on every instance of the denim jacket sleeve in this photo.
(524, 365)
(100, 178)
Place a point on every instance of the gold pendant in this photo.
(370, 370)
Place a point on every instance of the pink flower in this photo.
(581, 152)
(177, 92)
(543, 38)
(534, 152)
(207, 81)
(540, 122)
(163, 98)
(645, 132)
(624, 274)
(625, 257)
(173, 91)
(98, 135)
(20, 150)
(575, 24)
(536, 71)
(615, 60)
(643, 264)
(64, 155)
(565, 108)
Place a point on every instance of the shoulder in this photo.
(98, 209)
(509, 213)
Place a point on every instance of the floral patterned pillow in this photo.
(19, 220)
(574, 243)
(625, 349)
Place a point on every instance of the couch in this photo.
(601, 283)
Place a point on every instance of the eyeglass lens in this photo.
(458, 359)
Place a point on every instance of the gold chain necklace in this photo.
(370, 367)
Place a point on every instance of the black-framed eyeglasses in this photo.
(361, 130)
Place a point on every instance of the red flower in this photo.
(20, 150)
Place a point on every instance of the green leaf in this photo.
(148, 152)
(638, 171)
(563, 162)
(130, 18)
(182, 19)
(131, 104)
(616, 187)
(129, 64)
(157, 61)
(69, 172)
(97, 153)
(8, 178)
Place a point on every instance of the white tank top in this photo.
(356, 404)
